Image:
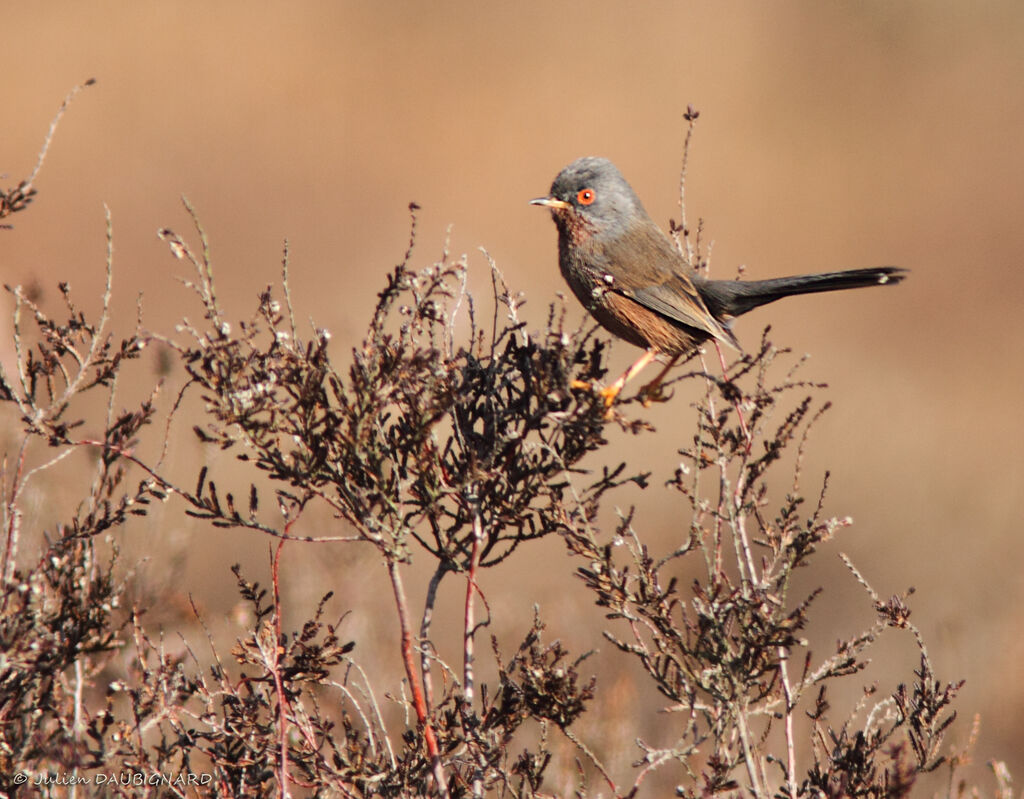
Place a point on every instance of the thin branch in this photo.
(415, 685)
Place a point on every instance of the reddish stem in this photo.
(415, 686)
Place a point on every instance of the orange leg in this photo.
(612, 391)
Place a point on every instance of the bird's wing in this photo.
(659, 282)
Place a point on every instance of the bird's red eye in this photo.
(585, 196)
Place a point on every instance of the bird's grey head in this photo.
(591, 194)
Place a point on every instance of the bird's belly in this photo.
(632, 322)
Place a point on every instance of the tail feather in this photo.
(730, 298)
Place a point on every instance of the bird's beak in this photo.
(550, 202)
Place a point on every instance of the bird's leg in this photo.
(652, 389)
(612, 391)
(735, 402)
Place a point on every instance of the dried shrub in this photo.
(462, 448)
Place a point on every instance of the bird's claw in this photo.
(609, 393)
(653, 392)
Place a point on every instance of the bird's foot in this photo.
(609, 393)
(653, 392)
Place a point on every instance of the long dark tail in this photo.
(729, 298)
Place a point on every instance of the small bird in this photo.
(636, 284)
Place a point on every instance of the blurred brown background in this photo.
(831, 136)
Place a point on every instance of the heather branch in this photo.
(18, 198)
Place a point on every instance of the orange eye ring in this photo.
(585, 196)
